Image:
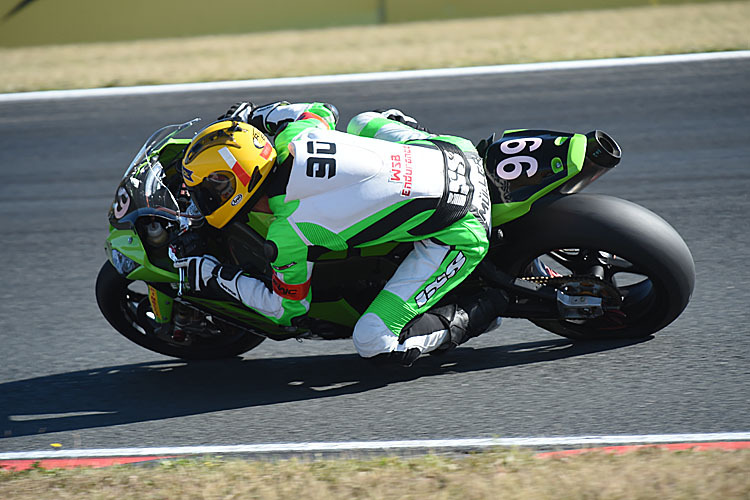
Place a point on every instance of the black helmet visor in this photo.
(215, 190)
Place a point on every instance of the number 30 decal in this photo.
(517, 162)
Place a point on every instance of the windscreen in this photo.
(144, 189)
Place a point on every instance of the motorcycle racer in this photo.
(384, 180)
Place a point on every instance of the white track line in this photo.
(434, 444)
(373, 77)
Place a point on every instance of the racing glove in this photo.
(198, 271)
(210, 278)
(241, 112)
(269, 118)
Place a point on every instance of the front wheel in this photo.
(123, 308)
(628, 247)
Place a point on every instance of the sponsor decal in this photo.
(401, 171)
(458, 182)
(430, 290)
(483, 206)
(187, 174)
(259, 139)
(284, 267)
(122, 203)
(153, 298)
(291, 292)
(236, 200)
(266, 153)
(232, 163)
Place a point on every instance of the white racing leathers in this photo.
(382, 182)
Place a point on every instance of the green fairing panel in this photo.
(242, 314)
(559, 157)
(127, 242)
(172, 150)
(161, 305)
(339, 312)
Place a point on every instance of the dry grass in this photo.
(500, 40)
(648, 474)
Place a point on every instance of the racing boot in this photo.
(471, 317)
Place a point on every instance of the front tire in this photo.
(123, 309)
(624, 243)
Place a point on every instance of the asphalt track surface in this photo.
(67, 377)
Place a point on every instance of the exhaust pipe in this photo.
(602, 150)
(602, 155)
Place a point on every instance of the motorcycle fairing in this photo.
(132, 201)
(128, 244)
(524, 165)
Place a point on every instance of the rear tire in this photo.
(119, 305)
(629, 239)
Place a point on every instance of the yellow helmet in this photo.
(224, 167)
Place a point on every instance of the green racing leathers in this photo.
(381, 181)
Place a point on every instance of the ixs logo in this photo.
(459, 186)
(401, 171)
(430, 290)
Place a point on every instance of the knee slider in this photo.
(403, 358)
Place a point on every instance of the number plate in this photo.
(524, 162)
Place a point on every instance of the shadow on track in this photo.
(124, 394)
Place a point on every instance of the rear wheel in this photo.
(623, 246)
(127, 310)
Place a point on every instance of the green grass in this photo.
(509, 474)
(47, 22)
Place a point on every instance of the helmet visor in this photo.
(215, 190)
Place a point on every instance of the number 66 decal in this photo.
(517, 162)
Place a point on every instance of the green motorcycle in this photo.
(581, 266)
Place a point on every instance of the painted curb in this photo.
(621, 450)
(72, 463)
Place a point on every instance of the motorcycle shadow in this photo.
(125, 394)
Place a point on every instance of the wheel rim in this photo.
(132, 303)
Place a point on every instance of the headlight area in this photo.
(124, 265)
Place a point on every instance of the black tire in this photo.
(119, 305)
(649, 246)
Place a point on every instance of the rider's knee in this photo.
(371, 337)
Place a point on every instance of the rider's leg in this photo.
(431, 270)
(375, 124)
